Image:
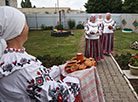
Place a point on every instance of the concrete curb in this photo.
(129, 84)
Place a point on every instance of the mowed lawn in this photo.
(122, 42)
(41, 43)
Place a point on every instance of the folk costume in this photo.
(100, 22)
(22, 76)
(93, 46)
(108, 35)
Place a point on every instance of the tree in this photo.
(26, 4)
(130, 6)
(103, 6)
(34, 6)
(23, 4)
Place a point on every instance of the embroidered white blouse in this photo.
(106, 23)
(24, 79)
(92, 27)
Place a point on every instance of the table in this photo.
(91, 88)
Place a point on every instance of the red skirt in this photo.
(107, 42)
(93, 49)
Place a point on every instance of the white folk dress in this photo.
(93, 46)
(108, 36)
(24, 79)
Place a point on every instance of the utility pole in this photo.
(58, 5)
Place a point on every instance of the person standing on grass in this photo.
(109, 25)
(23, 78)
(92, 35)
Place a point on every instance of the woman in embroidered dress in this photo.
(22, 77)
(109, 25)
(92, 34)
(100, 22)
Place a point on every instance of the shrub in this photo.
(48, 27)
(134, 60)
(59, 27)
(71, 23)
(43, 27)
(123, 60)
(80, 26)
(48, 61)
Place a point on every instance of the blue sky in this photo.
(73, 4)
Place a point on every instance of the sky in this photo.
(73, 4)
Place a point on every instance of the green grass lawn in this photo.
(122, 42)
(41, 43)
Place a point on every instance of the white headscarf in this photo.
(92, 16)
(12, 22)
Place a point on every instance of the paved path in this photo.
(114, 85)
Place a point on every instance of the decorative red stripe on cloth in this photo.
(89, 94)
(87, 74)
(94, 99)
(90, 83)
(100, 94)
(87, 84)
(98, 82)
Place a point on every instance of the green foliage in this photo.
(7, 3)
(41, 43)
(48, 61)
(122, 42)
(130, 6)
(43, 27)
(34, 6)
(103, 6)
(123, 60)
(71, 23)
(26, 4)
(80, 26)
(59, 27)
(46, 12)
(134, 60)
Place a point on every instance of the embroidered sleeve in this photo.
(114, 25)
(43, 87)
(9, 68)
(86, 29)
(102, 28)
(54, 71)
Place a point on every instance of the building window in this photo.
(7, 2)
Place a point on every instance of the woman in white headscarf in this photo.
(93, 46)
(22, 77)
(109, 25)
